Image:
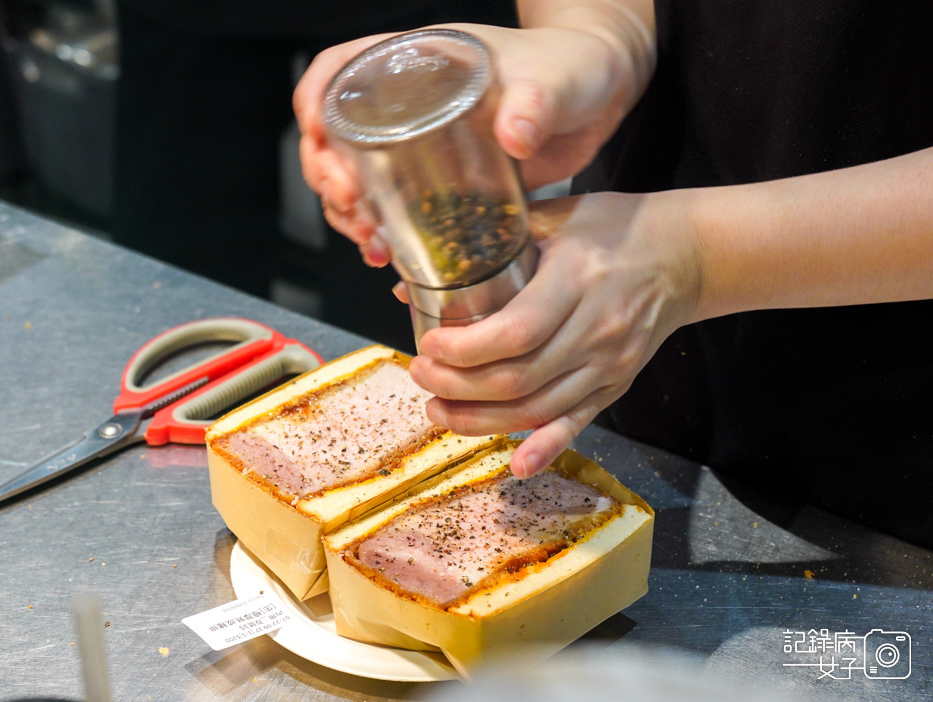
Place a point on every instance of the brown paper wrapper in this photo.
(287, 537)
(551, 606)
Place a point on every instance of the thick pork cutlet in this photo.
(443, 549)
(340, 435)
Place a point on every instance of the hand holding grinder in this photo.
(415, 113)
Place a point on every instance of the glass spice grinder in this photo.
(415, 113)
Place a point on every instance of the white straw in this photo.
(86, 608)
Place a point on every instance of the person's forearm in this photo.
(852, 236)
(627, 26)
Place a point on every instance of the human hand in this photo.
(325, 169)
(617, 274)
(564, 93)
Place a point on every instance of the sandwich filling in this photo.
(443, 550)
(342, 434)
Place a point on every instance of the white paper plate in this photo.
(311, 633)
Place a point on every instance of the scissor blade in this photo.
(109, 436)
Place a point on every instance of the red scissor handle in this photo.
(253, 339)
(185, 421)
(183, 401)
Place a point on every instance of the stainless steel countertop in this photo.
(732, 571)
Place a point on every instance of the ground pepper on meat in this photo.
(320, 459)
(435, 536)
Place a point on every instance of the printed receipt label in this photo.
(238, 621)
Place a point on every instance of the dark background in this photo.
(167, 127)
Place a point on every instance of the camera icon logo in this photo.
(887, 655)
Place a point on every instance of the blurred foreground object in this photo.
(86, 608)
(599, 674)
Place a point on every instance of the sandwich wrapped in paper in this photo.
(329, 445)
(476, 563)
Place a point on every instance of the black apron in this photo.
(833, 406)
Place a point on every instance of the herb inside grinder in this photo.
(469, 236)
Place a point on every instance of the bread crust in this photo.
(285, 531)
(542, 608)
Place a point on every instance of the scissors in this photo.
(175, 409)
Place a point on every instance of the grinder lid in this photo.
(406, 86)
